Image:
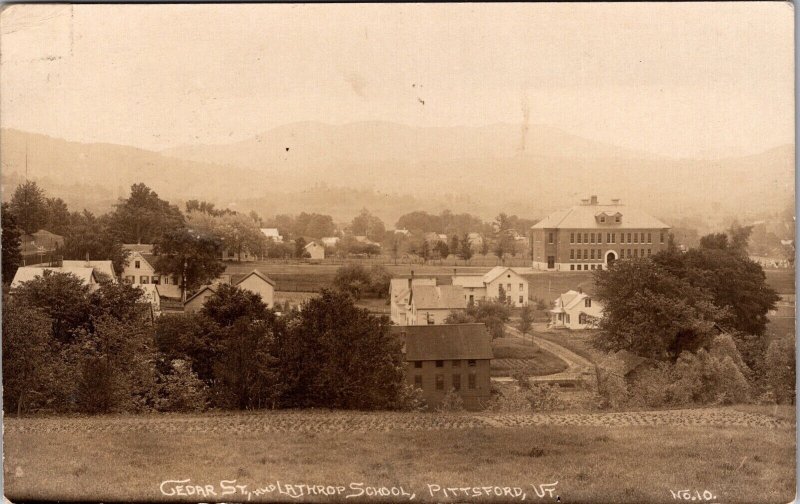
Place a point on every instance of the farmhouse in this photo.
(514, 286)
(440, 358)
(87, 276)
(255, 281)
(40, 241)
(315, 250)
(592, 236)
(140, 270)
(399, 295)
(272, 234)
(575, 310)
(432, 304)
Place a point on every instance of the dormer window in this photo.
(602, 218)
(618, 219)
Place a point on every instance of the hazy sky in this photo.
(675, 79)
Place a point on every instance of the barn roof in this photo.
(444, 342)
(438, 297)
(27, 273)
(105, 267)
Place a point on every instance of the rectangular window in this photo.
(592, 253)
(418, 381)
(471, 363)
(635, 237)
(457, 381)
(599, 237)
(521, 287)
(585, 237)
(439, 363)
(662, 237)
(572, 267)
(592, 266)
(608, 237)
(508, 288)
(649, 237)
(613, 237)
(520, 300)
(156, 280)
(572, 237)
(629, 253)
(550, 237)
(439, 382)
(586, 254)
(143, 279)
(635, 252)
(418, 364)
(130, 279)
(591, 237)
(137, 264)
(602, 219)
(471, 380)
(579, 238)
(587, 302)
(456, 363)
(618, 218)
(648, 252)
(642, 238)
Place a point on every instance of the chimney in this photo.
(594, 199)
(615, 201)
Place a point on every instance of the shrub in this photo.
(451, 402)
(702, 378)
(651, 385)
(544, 397)
(509, 399)
(779, 370)
(181, 389)
(411, 399)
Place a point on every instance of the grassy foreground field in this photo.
(734, 463)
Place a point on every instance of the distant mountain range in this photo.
(392, 169)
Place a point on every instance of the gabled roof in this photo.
(142, 248)
(445, 341)
(27, 273)
(205, 288)
(270, 232)
(438, 297)
(495, 272)
(105, 267)
(585, 217)
(312, 244)
(469, 281)
(259, 274)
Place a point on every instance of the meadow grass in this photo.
(591, 464)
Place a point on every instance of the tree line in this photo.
(68, 349)
(700, 318)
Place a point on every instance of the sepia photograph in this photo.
(432, 252)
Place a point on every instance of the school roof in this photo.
(105, 267)
(445, 341)
(27, 273)
(440, 297)
(586, 216)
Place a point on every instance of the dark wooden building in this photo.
(448, 356)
